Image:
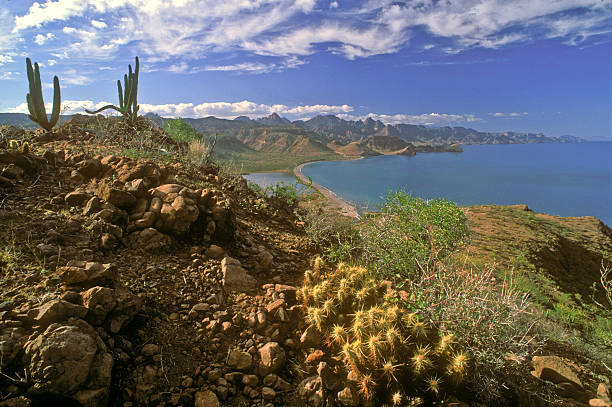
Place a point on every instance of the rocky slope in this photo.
(137, 282)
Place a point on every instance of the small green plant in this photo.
(36, 104)
(128, 97)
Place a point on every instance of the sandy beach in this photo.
(334, 201)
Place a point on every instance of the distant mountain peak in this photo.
(242, 119)
(274, 120)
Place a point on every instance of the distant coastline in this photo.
(333, 200)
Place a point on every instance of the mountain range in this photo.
(332, 135)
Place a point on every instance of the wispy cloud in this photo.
(40, 39)
(426, 119)
(511, 115)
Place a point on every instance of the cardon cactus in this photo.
(392, 353)
(36, 104)
(128, 96)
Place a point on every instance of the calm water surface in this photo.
(265, 179)
(559, 179)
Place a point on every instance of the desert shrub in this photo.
(335, 236)
(180, 131)
(394, 354)
(410, 234)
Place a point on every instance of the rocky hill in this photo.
(131, 276)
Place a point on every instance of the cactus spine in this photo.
(128, 95)
(36, 104)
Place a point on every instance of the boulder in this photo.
(555, 369)
(57, 311)
(348, 397)
(215, 252)
(150, 239)
(117, 197)
(271, 358)
(128, 305)
(89, 168)
(87, 274)
(70, 360)
(206, 399)
(99, 301)
(310, 391)
(77, 197)
(239, 360)
(235, 278)
(12, 340)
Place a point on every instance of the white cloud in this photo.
(41, 39)
(5, 59)
(8, 76)
(333, 5)
(51, 62)
(257, 67)
(228, 110)
(509, 115)
(74, 77)
(98, 24)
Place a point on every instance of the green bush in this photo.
(411, 234)
(181, 131)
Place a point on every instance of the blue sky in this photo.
(522, 65)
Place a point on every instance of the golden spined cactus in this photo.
(434, 384)
(397, 398)
(445, 345)
(316, 317)
(458, 367)
(421, 362)
(338, 335)
(367, 387)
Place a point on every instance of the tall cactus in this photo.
(36, 104)
(128, 97)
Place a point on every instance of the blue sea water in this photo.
(558, 179)
(268, 179)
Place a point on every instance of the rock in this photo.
(92, 206)
(215, 252)
(603, 397)
(12, 340)
(348, 397)
(240, 360)
(99, 301)
(89, 168)
(331, 379)
(77, 197)
(150, 239)
(235, 278)
(264, 260)
(201, 307)
(136, 187)
(206, 399)
(310, 391)
(87, 275)
(128, 305)
(47, 249)
(598, 403)
(272, 358)
(272, 307)
(118, 197)
(16, 402)
(148, 219)
(57, 311)
(554, 369)
(310, 338)
(150, 349)
(72, 361)
(268, 393)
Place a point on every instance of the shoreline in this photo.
(333, 200)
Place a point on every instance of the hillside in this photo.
(132, 274)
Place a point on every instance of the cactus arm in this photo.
(120, 91)
(127, 101)
(135, 85)
(57, 102)
(39, 112)
(104, 108)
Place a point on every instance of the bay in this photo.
(558, 179)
